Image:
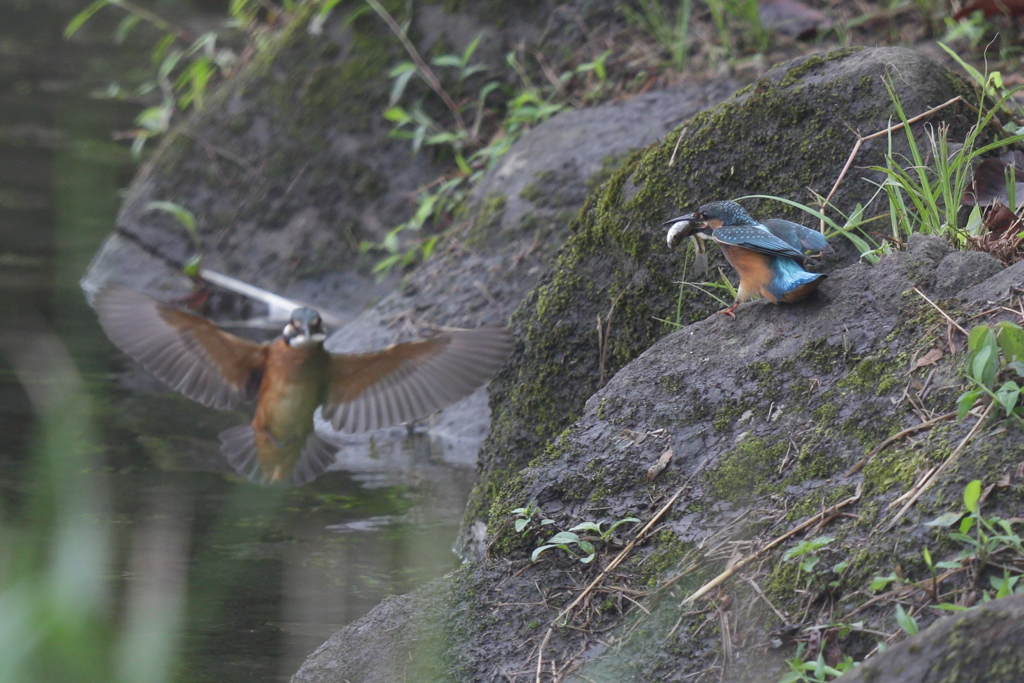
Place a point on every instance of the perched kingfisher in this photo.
(293, 375)
(767, 256)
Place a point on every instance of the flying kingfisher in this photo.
(292, 376)
(766, 256)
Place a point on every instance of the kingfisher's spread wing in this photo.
(756, 238)
(413, 379)
(798, 236)
(185, 351)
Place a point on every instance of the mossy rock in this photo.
(788, 132)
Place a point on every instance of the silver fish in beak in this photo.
(680, 228)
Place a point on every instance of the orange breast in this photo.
(753, 269)
(294, 383)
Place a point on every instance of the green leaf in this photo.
(397, 114)
(538, 551)
(125, 27)
(880, 582)
(977, 337)
(402, 68)
(1011, 341)
(79, 19)
(905, 621)
(398, 88)
(446, 60)
(950, 607)
(971, 496)
(564, 537)
(521, 524)
(927, 557)
(945, 519)
(983, 366)
(191, 267)
(948, 565)
(1017, 366)
(1007, 396)
(587, 526)
(586, 546)
(966, 402)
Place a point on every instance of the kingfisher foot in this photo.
(729, 311)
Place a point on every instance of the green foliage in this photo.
(815, 671)
(585, 544)
(474, 149)
(991, 352)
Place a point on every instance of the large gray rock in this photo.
(983, 644)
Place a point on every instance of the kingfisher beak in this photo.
(681, 228)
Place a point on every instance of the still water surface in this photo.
(260, 576)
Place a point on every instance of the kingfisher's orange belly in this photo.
(754, 270)
(292, 388)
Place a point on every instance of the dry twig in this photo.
(721, 578)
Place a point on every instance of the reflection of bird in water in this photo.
(766, 256)
(293, 375)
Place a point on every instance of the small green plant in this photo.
(814, 671)
(992, 535)
(474, 148)
(807, 552)
(985, 367)
(585, 545)
(525, 518)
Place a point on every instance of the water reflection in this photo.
(117, 520)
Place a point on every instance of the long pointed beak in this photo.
(679, 219)
(682, 227)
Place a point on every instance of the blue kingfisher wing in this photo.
(411, 380)
(756, 238)
(797, 236)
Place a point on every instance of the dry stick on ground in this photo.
(953, 457)
(721, 578)
(862, 139)
(942, 312)
(615, 563)
(425, 71)
(894, 438)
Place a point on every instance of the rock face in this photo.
(984, 644)
(784, 134)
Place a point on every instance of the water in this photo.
(123, 481)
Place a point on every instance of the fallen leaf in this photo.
(930, 358)
(659, 466)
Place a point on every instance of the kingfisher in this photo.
(293, 375)
(767, 256)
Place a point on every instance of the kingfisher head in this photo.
(718, 214)
(304, 329)
(709, 217)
